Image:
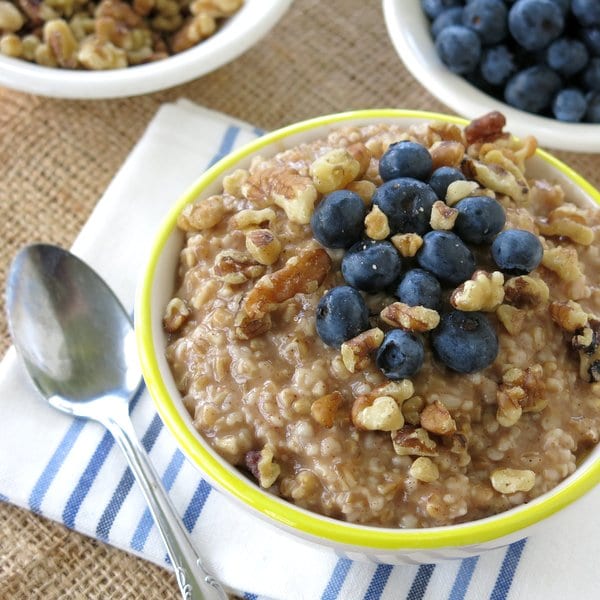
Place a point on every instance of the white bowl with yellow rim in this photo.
(355, 541)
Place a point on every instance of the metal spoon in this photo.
(78, 346)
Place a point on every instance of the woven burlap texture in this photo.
(56, 159)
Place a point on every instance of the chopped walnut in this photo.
(424, 469)
(460, 189)
(510, 481)
(437, 419)
(176, 314)
(545, 194)
(263, 246)
(509, 405)
(324, 409)
(408, 244)
(587, 344)
(61, 41)
(365, 189)
(564, 261)
(248, 218)
(356, 351)
(301, 274)
(411, 409)
(334, 170)
(566, 227)
(383, 414)
(232, 183)
(447, 154)
(98, 55)
(413, 441)
(11, 19)
(399, 390)
(376, 224)
(362, 155)
(202, 214)
(442, 216)
(520, 391)
(487, 128)
(268, 471)
(525, 291)
(484, 291)
(410, 318)
(568, 315)
(568, 211)
(512, 318)
(236, 267)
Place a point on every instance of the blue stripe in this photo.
(126, 483)
(145, 524)
(463, 578)
(420, 582)
(56, 460)
(196, 505)
(249, 596)
(378, 582)
(507, 571)
(257, 131)
(86, 480)
(226, 144)
(3, 498)
(336, 581)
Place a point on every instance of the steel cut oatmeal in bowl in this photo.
(392, 326)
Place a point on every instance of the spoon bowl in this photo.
(77, 343)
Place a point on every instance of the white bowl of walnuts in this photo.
(115, 48)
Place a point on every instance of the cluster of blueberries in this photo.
(541, 56)
(464, 341)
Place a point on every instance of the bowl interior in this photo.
(408, 29)
(156, 290)
(235, 36)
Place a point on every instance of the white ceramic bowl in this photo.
(351, 540)
(408, 28)
(238, 33)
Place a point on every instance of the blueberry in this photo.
(371, 266)
(406, 203)
(465, 341)
(338, 220)
(341, 315)
(591, 38)
(564, 5)
(586, 11)
(487, 18)
(441, 178)
(591, 75)
(419, 288)
(567, 56)
(405, 159)
(497, 64)
(459, 48)
(433, 8)
(451, 16)
(400, 355)
(532, 89)
(479, 219)
(535, 23)
(445, 255)
(569, 105)
(517, 252)
(593, 111)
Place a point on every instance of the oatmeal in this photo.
(393, 341)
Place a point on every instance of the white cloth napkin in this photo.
(70, 470)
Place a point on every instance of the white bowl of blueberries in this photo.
(537, 61)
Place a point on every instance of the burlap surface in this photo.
(56, 159)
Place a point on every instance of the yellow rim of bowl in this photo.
(285, 513)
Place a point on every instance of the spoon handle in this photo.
(194, 580)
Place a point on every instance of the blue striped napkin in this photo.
(70, 470)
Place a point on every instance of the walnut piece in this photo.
(268, 471)
(410, 318)
(301, 274)
(364, 188)
(356, 351)
(413, 441)
(460, 189)
(579, 233)
(442, 216)
(324, 409)
(397, 391)
(564, 261)
(484, 291)
(176, 314)
(446, 154)
(437, 419)
(235, 267)
(334, 170)
(424, 469)
(361, 154)
(383, 414)
(376, 224)
(202, 214)
(408, 244)
(11, 19)
(520, 391)
(487, 128)
(249, 217)
(587, 344)
(526, 291)
(568, 315)
(512, 318)
(510, 481)
(263, 246)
